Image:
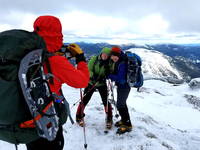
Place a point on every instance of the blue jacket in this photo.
(120, 72)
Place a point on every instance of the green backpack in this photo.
(21, 98)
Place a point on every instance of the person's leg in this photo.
(107, 106)
(125, 123)
(122, 95)
(103, 91)
(88, 92)
(42, 144)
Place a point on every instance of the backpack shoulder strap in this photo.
(46, 56)
(139, 60)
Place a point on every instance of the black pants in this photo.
(88, 92)
(122, 95)
(43, 144)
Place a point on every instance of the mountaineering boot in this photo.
(109, 123)
(118, 123)
(124, 126)
(80, 120)
(123, 129)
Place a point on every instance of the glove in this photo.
(74, 49)
(79, 58)
(77, 52)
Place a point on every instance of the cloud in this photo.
(18, 20)
(108, 19)
(153, 24)
(82, 23)
(5, 27)
(181, 14)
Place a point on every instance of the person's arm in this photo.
(63, 70)
(121, 74)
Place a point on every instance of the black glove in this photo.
(79, 58)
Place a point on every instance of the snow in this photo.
(161, 115)
(197, 79)
(167, 103)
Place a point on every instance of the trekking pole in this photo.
(85, 94)
(113, 99)
(107, 108)
(16, 147)
(84, 131)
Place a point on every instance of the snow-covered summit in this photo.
(161, 114)
(156, 64)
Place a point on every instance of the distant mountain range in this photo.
(185, 57)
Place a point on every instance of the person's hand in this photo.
(76, 52)
(74, 49)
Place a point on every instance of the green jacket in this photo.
(99, 69)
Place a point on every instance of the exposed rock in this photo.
(167, 146)
(151, 135)
(194, 100)
(174, 80)
(194, 83)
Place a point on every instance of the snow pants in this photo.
(122, 95)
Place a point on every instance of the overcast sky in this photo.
(114, 21)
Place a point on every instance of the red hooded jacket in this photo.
(50, 29)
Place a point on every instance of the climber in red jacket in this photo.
(50, 29)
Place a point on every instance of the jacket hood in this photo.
(50, 29)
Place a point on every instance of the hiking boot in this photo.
(124, 128)
(118, 123)
(109, 123)
(80, 121)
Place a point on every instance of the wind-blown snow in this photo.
(161, 115)
(156, 64)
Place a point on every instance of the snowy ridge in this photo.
(162, 118)
(156, 64)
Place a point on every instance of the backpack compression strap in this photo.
(31, 123)
(58, 99)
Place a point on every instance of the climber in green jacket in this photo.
(99, 70)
